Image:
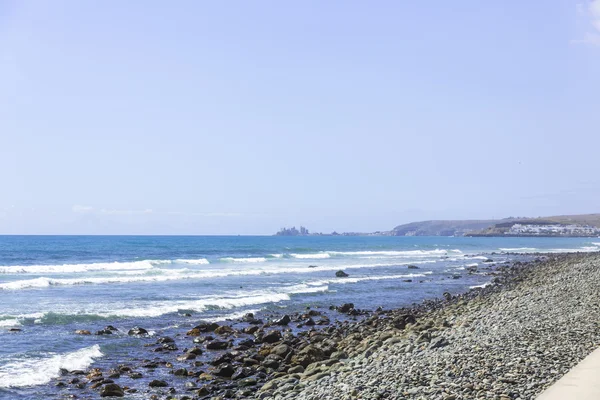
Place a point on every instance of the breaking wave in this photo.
(35, 371)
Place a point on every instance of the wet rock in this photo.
(217, 345)
(82, 332)
(283, 320)
(165, 339)
(186, 357)
(412, 267)
(104, 332)
(346, 308)
(195, 350)
(135, 375)
(242, 372)
(224, 330)
(312, 266)
(202, 327)
(112, 390)
(341, 274)
(181, 372)
(224, 370)
(137, 331)
(158, 383)
(272, 337)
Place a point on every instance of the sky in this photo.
(204, 117)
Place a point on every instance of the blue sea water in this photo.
(51, 286)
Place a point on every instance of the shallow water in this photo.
(52, 285)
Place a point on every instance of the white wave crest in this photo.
(244, 260)
(72, 268)
(183, 274)
(199, 261)
(368, 278)
(480, 286)
(236, 300)
(314, 255)
(33, 372)
(393, 253)
(8, 323)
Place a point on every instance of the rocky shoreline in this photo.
(509, 340)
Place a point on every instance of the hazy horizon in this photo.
(209, 118)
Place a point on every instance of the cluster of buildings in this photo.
(552, 230)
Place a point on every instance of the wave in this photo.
(395, 253)
(185, 274)
(231, 301)
(8, 323)
(480, 286)
(314, 255)
(369, 278)
(73, 268)
(31, 372)
(244, 260)
(149, 309)
(199, 261)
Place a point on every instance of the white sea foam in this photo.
(244, 260)
(8, 323)
(276, 255)
(391, 253)
(73, 268)
(309, 256)
(480, 286)
(233, 315)
(166, 275)
(367, 278)
(199, 261)
(234, 300)
(34, 371)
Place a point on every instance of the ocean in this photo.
(51, 286)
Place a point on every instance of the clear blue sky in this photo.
(206, 117)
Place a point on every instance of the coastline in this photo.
(460, 347)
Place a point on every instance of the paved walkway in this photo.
(580, 383)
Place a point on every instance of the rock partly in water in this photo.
(341, 274)
(112, 390)
(137, 331)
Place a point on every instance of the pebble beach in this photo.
(508, 340)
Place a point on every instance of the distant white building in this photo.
(552, 230)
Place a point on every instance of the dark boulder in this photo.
(137, 331)
(202, 327)
(112, 390)
(157, 383)
(271, 337)
(224, 371)
(345, 308)
(341, 274)
(283, 320)
(217, 345)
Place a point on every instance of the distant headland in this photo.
(582, 225)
